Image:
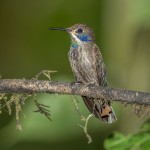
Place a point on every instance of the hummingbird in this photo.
(88, 68)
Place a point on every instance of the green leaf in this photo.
(131, 142)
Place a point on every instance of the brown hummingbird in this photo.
(88, 68)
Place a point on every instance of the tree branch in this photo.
(41, 86)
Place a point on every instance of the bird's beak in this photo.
(61, 29)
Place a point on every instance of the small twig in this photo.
(75, 102)
(85, 128)
(46, 73)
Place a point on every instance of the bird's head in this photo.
(79, 33)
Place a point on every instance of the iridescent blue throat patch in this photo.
(74, 45)
(83, 38)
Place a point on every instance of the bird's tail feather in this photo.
(101, 109)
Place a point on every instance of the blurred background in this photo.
(122, 30)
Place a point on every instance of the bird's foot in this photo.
(92, 84)
(76, 83)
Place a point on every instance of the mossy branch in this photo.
(42, 86)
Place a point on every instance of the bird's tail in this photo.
(101, 109)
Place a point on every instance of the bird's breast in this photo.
(84, 64)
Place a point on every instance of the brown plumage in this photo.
(88, 68)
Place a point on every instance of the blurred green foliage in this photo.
(27, 47)
(140, 140)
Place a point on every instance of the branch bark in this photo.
(41, 86)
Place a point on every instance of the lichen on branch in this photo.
(42, 86)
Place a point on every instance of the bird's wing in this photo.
(100, 67)
(100, 107)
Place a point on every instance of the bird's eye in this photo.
(79, 30)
